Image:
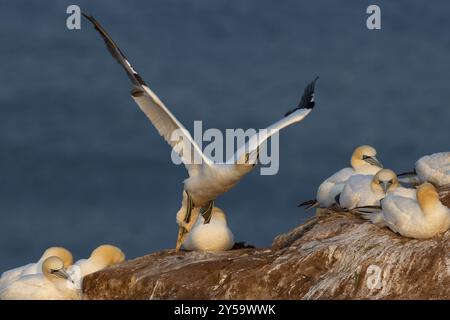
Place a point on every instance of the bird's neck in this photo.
(428, 202)
(100, 260)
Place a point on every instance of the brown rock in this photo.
(444, 194)
(334, 256)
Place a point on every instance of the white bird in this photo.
(53, 283)
(434, 168)
(207, 179)
(103, 256)
(420, 217)
(363, 162)
(212, 236)
(33, 268)
(367, 190)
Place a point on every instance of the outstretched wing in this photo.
(297, 114)
(162, 119)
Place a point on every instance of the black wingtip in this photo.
(115, 51)
(307, 100)
(88, 16)
(409, 173)
(337, 199)
(308, 204)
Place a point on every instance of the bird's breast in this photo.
(204, 188)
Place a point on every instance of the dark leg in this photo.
(207, 211)
(190, 205)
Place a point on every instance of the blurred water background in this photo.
(80, 165)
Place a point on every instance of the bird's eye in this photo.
(365, 157)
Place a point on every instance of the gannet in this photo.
(34, 268)
(363, 162)
(420, 217)
(212, 236)
(103, 256)
(53, 283)
(207, 179)
(367, 190)
(434, 168)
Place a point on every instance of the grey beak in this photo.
(373, 161)
(385, 185)
(61, 273)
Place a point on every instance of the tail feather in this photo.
(309, 204)
(406, 174)
(372, 213)
(409, 178)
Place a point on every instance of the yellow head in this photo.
(218, 215)
(385, 180)
(427, 197)
(363, 156)
(108, 255)
(53, 269)
(61, 253)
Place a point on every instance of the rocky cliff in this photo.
(332, 256)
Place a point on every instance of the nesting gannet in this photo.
(367, 190)
(434, 168)
(53, 283)
(102, 257)
(34, 268)
(207, 179)
(363, 162)
(212, 236)
(420, 217)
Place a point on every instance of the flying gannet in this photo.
(207, 179)
(53, 283)
(212, 236)
(420, 217)
(434, 168)
(367, 190)
(34, 268)
(363, 162)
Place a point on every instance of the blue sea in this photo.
(80, 165)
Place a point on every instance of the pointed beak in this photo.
(181, 234)
(61, 273)
(374, 162)
(385, 185)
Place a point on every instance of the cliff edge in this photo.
(332, 256)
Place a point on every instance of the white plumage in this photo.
(34, 268)
(420, 217)
(363, 162)
(53, 283)
(213, 236)
(367, 190)
(38, 287)
(207, 180)
(102, 257)
(434, 168)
